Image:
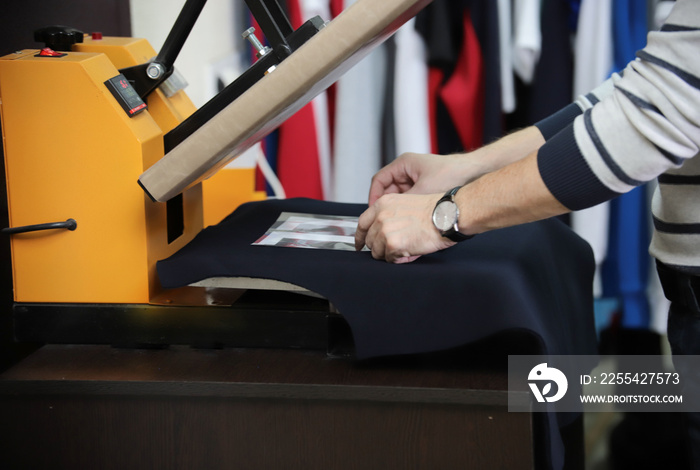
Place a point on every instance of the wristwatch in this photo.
(446, 217)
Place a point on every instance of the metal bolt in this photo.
(155, 70)
(249, 34)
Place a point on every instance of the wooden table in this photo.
(97, 407)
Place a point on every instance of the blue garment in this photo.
(270, 147)
(626, 270)
(629, 30)
(575, 9)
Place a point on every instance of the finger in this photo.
(396, 248)
(390, 179)
(382, 183)
(364, 222)
(376, 192)
(377, 246)
(407, 259)
(375, 240)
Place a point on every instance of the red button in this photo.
(48, 52)
(96, 36)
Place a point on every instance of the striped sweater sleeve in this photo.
(633, 128)
(551, 125)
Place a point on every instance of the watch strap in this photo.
(453, 234)
(456, 236)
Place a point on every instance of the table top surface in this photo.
(180, 370)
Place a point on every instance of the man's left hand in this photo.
(399, 228)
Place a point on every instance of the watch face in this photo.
(445, 215)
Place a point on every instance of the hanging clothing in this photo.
(505, 42)
(551, 86)
(357, 134)
(456, 76)
(303, 154)
(527, 38)
(484, 18)
(411, 124)
(462, 93)
(626, 270)
(593, 65)
(320, 105)
(593, 46)
(554, 71)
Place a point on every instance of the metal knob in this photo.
(59, 38)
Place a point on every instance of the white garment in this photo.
(527, 40)
(358, 117)
(593, 57)
(411, 119)
(505, 44)
(310, 9)
(593, 62)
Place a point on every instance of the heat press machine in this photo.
(105, 160)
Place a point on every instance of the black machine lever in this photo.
(276, 28)
(178, 35)
(268, 13)
(147, 77)
(69, 224)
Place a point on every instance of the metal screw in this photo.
(249, 34)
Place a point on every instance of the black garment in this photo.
(389, 153)
(683, 290)
(535, 277)
(684, 338)
(441, 26)
(484, 14)
(552, 85)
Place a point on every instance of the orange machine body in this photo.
(71, 151)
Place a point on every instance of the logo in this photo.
(547, 375)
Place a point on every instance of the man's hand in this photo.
(503, 187)
(398, 228)
(417, 173)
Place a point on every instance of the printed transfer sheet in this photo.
(297, 230)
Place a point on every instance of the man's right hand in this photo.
(422, 174)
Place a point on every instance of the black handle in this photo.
(178, 35)
(69, 224)
(138, 74)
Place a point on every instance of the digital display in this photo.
(125, 95)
